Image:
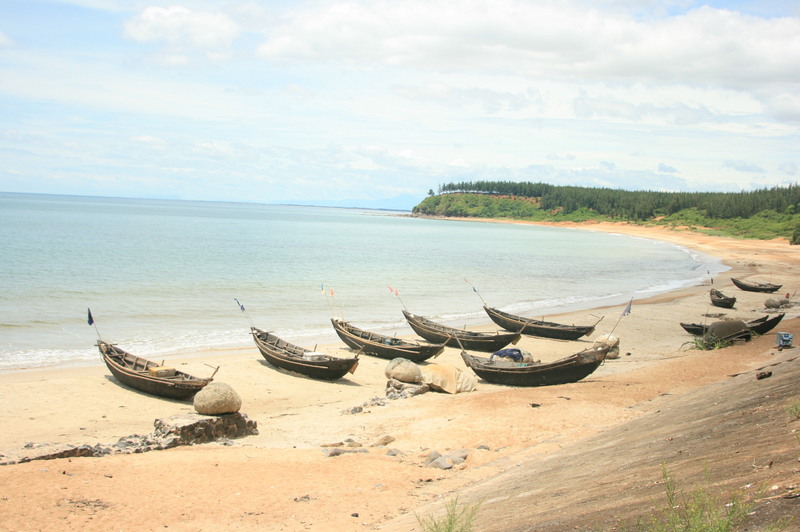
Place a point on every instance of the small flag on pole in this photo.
(627, 308)
(240, 305)
(91, 319)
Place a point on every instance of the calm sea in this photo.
(161, 277)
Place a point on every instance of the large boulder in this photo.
(217, 398)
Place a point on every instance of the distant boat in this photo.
(461, 338)
(148, 376)
(285, 355)
(760, 326)
(534, 327)
(384, 346)
(570, 369)
(718, 299)
(752, 286)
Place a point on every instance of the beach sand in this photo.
(282, 479)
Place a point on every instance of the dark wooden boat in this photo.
(752, 286)
(534, 327)
(759, 326)
(763, 325)
(384, 346)
(570, 369)
(461, 338)
(285, 355)
(718, 299)
(147, 376)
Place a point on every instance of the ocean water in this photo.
(162, 277)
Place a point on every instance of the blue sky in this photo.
(378, 102)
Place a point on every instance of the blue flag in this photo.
(240, 305)
(91, 319)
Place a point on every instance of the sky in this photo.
(377, 103)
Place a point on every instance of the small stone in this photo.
(383, 441)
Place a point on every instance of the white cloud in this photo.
(788, 168)
(743, 166)
(179, 26)
(548, 40)
(5, 40)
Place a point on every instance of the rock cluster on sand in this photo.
(183, 429)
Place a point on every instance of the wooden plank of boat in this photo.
(144, 375)
(566, 370)
(718, 299)
(533, 327)
(383, 346)
(473, 340)
(291, 357)
(752, 286)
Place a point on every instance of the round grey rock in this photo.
(217, 398)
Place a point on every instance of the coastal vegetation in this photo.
(457, 518)
(759, 214)
(697, 511)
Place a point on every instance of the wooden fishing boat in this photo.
(533, 327)
(291, 357)
(383, 346)
(149, 377)
(474, 340)
(718, 299)
(570, 369)
(759, 326)
(752, 286)
(763, 325)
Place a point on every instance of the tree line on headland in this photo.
(762, 213)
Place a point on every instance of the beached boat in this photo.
(570, 369)
(759, 326)
(474, 340)
(718, 299)
(383, 346)
(285, 355)
(534, 327)
(149, 377)
(752, 286)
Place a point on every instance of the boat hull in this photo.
(382, 346)
(564, 371)
(756, 287)
(296, 359)
(460, 338)
(532, 327)
(132, 371)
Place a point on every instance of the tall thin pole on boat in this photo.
(91, 322)
(241, 307)
(332, 301)
(625, 312)
(475, 290)
(397, 294)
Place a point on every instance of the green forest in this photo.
(761, 214)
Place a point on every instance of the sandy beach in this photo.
(283, 480)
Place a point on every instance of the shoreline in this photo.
(476, 319)
(298, 416)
